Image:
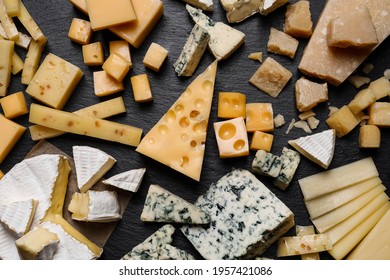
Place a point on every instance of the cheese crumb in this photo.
(358, 81)
(303, 125)
(279, 121)
(290, 126)
(368, 68)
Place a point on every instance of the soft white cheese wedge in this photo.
(130, 180)
(238, 10)
(91, 165)
(318, 147)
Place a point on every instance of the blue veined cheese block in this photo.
(246, 218)
(266, 164)
(290, 160)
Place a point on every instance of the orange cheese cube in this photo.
(259, 116)
(80, 31)
(262, 141)
(116, 66)
(10, 134)
(122, 48)
(141, 88)
(14, 105)
(105, 85)
(155, 57)
(231, 105)
(93, 54)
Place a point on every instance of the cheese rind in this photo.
(268, 6)
(130, 180)
(237, 11)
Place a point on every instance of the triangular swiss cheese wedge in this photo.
(318, 147)
(130, 180)
(178, 139)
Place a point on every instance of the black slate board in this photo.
(54, 18)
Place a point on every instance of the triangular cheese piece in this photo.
(163, 206)
(318, 147)
(178, 139)
(168, 252)
(91, 165)
(130, 180)
(17, 216)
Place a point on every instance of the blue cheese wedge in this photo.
(129, 181)
(148, 250)
(318, 147)
(246, 218)
(290, 160)
(206, 5)
(192, 51)
(266, 164)
(169, 252)
(163, 206)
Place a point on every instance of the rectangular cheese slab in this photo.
(246, 218)
(334, 64)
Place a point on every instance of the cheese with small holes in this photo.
(95, 206)
(379, 114)
(91, 165)
(178, 139)
(6, 51)
(232, 138)
(116, 66)
(122, 48)
(369, 136)
(104, 84)
(259, 116)
(129, 180)
(237, 10)
(297, 22)
(266, 164)
(148, 249)
(11, 133)
(169, 252)
(268, 6)
(343, 121)
(141, 88)
(309, 94)
(163, 206)
(93, 54)
(306, 244)
(246, 218)
(14, 105)
(155, 57)
(282, 43)
(80, 31)
(289, 160)
(261, 141)
(307, 230)
(231, 105)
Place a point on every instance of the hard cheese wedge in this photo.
(163, 206)
(178, 139)
(130, 180)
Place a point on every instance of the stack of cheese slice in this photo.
(345, 203)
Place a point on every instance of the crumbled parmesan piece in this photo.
(279, 121)
(305, 115)
(358, 81)
(256, 56)
(313, 122)
(303, 125)
(308, 94)
(332, 110)
(298, 21)
(282, 43)
(368, 68)
(290, 126)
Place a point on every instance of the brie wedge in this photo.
(130, 180)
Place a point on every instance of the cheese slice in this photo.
(238, 10)
(318, 147)
(91, 165)
(17, 216)
(163, 206)
(307, 230)
(306, 244)
(130, 180)
(178, 139)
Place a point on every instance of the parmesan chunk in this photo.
(303, 125)
(282, 43)
(279, 120)
(308, 94)
(256, 56)
(298, 21)
(379, 113)
(369, 137)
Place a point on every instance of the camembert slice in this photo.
(178, 139)
(130, 180)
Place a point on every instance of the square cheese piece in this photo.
(155, 57)
(380, 87)
(54, 81)
(141, 88)
(122, 48)
(282, 43)
(231, 105)
(93, 54)
(80, 31)
(14, 105)
(116, 66)
(259, 116)
(232, 138)
(104, 14)
(379, 114)
(271, 77)
(308, 94)
(104, 84)
(369, 136)
(10, 134)
(261, 141)
(297, 22)
(246, 218)
(343, 121)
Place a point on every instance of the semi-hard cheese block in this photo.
(290, 161)
(116, 66)
(10, 134)
(343, 121)
(8, 24)
(306, 244)
(93, 54)
(381, 87)
(104, 84)
(282, 43)
(6, 51)
(237, 10)
(379, 114)
(335, 65)
(12, 7)
(80, 31)
(54, 81)
(129, 180)
(17, 64)
(259, 116)
(168, 252)
(246, 218)
(307, 230)
(163, 206)
(261, 141)
(362, 100)
(369, 136)
(155, 57)
(308, 94)
(231, 105)
(14, 105)
(148, 249)
(266, 164)
(141, 88)
(297, 22)
(178, 139)
(122, 48)
(91, 165)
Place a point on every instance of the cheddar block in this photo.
(141, 88)
(89, 126)
(17, 64)
(155, 57)
(6, 51)
(379, 114)
(31, 62)
(362, 100)
(93, 54)
(104, 14)
(8, 24)
(307, 230)
(282, 43)
(122, 48)
(11, 133)
(80, 31)
(308, 94)
(369, 136)
(259, 116)
(297, 22)
(343, 121)
(353, 29)
(54, 81)
(232, 138)
(80, 4)
(104, 84)
(30, 25)
(381, 87)
(178, 139)
(306, 244)
(100, 110)
(271, 77)
(116, 66)
(261, 141)
(335, 65)
(231, 105)
(12, 7)
(148, 14)
(14, 105)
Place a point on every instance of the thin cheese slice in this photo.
(307, 230)
(306, 244)
(178, 139)
(130, 180)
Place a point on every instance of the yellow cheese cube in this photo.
(10, 134)
(103, 13)
(141, 88)
(116, 66)
(14, 105)
(93, 54)
(231, 105)
(155, 57)
(282, 43)
(122, 48)
(379, 114)
(80, 4)
(1, 174)
(362, 100)
(259, 116)
(262, 141)
(343, 121)
(12, 7)
(369, 136)
(104, 84)
(232, 138)
(308, 94)
(148, 13)
(54, 81)
(381, 87)
(298, 21)
(6, 51)
(80, 31)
